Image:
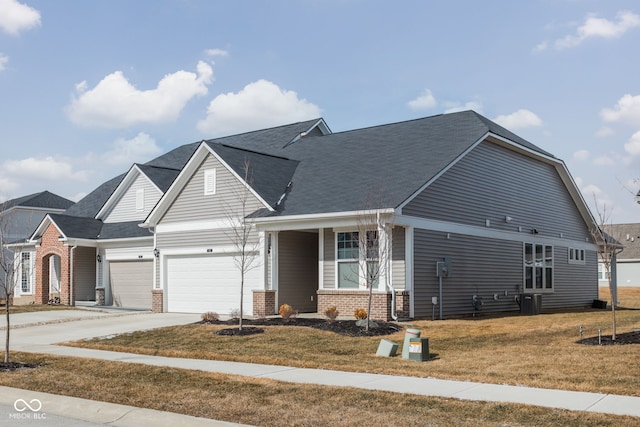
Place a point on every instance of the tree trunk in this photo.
(613, 319)
(369, 307)
(241, 298)
(6, 343)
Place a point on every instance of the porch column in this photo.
(320, 258)
(274, 266)
(408, 267)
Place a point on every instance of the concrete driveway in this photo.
(40, 329)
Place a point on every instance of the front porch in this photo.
(301, 270)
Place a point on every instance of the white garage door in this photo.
(131, 283)
(197, 284)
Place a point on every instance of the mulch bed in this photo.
(621, 339)
(343, 327)
(15, 366)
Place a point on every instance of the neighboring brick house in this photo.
(18, 218)
(473, 216)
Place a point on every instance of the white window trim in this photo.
(210, 182)
(544, 288)
(362, 260)
(31, 275)
(576, 256)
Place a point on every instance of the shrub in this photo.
(235, 314)
(360, 313)
(331, 313)
(286, 311)
(210, 316)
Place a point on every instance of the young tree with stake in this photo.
(242, 231)
(608, 248)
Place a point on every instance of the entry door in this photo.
(54, 274)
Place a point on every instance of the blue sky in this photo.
(89, 87)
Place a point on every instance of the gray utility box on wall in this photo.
(419, 349)
(530, 304)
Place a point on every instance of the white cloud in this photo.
(605, 132)
(627, 110)
(633, 146)
(216, 52)
(423, 102)
(16, 17)
(454, 107)
(116, 103)
(4, 60)
(600, 27)
(604, 161)
(258, 105)
(581, 155)
(45, 168)
(127, 151)
(8, 186)
(519, 119)
(541, 47)
(591, 192)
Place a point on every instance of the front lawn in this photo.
(536, 351)
(31, 308)
(263, 402)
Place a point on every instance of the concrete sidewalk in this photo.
(42, 339)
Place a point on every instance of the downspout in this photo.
(71, 268)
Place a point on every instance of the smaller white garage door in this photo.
(131, 283)
(197, 284)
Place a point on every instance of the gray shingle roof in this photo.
(90, 205)
(327, 173)
(76, 227)
(44, 199)
(162, 177)
(337, 171)
(629, 236)
(119, 230)
(268, 175)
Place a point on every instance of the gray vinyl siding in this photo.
(192, 204)
(479, 266)
(492, 182)
(328, 268)
(19, 223)
(575, 285)
(397, 259)
(84, 274)
(298, 270)
(125, 208)
(628, 274)
(197, 238)
(488, 267)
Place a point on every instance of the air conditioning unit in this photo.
(530, 304)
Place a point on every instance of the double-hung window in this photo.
(357, 259)
(348, 257)
(538, 268)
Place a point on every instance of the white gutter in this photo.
(329, 215)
